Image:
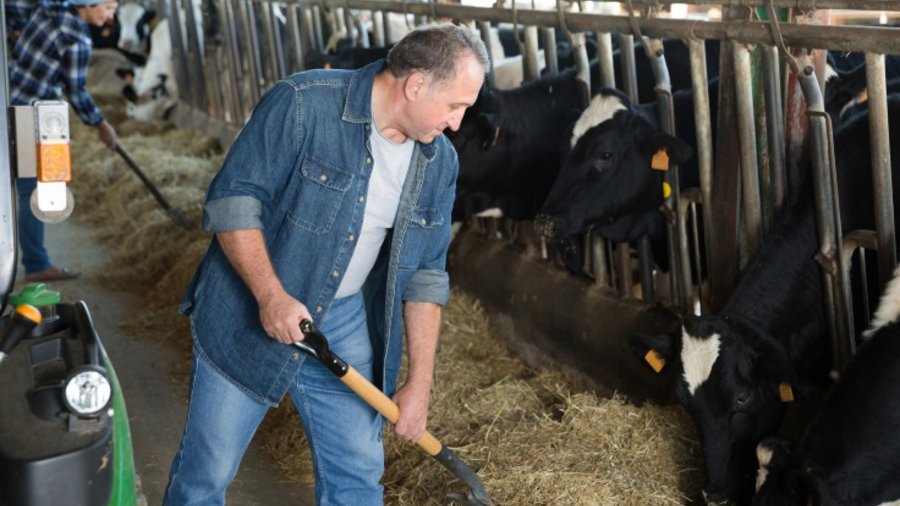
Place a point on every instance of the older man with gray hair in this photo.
(334, 205)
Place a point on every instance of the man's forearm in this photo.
(246, 250)
(423, 323)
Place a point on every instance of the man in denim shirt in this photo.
(333, 204)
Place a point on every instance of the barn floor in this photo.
(156, 404)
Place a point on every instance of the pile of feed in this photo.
(533, 435)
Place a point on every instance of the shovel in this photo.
(316, 345)
(176, 214)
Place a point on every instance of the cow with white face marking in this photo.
(850, 453)
(510, 144)
(735, 370)
(612, 179)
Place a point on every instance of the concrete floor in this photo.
(156, 407)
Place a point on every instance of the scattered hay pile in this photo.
(534, 437)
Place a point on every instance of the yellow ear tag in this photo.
(327, 66)
(667, 190)
(656, 361)
(785, 392)
(863, 96)
(660, 160)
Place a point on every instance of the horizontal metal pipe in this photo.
(844, 38)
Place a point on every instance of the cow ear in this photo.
(655, 350)
(488, 129)
(677, 151)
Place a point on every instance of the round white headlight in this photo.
(87, 391)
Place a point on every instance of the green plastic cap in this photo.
(35, 294)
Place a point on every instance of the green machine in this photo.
(64, 433)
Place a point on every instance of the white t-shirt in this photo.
(391, 164)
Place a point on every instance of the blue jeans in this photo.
(343, 431)
(31, 229)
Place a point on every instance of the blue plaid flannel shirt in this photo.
(52, 56)
(17, 14)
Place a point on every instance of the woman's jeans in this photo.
(31, 229)
(343, 431)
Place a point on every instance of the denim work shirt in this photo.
(299, 171)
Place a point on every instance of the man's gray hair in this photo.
(435, 50)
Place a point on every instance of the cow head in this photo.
(607, 179)
(733, 382)
(479, 131)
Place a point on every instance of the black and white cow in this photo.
(608, 180)
(510, 145)
(345, 56)
(850, 453)
(846, 84)
(128, 32)
(731, 370)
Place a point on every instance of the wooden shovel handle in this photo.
(376, 398)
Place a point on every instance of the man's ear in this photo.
(414, 86)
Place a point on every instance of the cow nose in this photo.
(545, 225)
(717, 499)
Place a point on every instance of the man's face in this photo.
(441, 105)
(99, 14)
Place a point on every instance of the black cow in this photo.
(510, 144)
(729, 368)
(850, 453)
(608, 181)
(345, 56)
(847, 85)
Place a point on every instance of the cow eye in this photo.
(606, 156)
(742, 400)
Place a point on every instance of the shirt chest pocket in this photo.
(425, 231)
(323, 187)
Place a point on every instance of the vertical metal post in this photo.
(248, 20)
(378, 21)
(279, 36)
(583, 66)
(195, 56)
(484, 27)
(530, 58)
(747, 136)
(548, 36)
(881, 168)
(629, 71)
(317, 26)
(185, 90)
(8, 250)
(233, 54)
(270, 61)
(828, 222)
(703, 123)
(295, 15)
(605, 55)
(775, 124)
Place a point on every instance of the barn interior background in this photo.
(539, 436)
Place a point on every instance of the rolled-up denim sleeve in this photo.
(428, 285)
(259, 164)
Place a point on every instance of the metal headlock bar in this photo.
(256, 52)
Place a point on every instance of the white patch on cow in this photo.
(602, 108)
(764, 456)
(454, 229)
(698, 355)
(129, 15)
(494, 212)
(888, 307)
(830, 73)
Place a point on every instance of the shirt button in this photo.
(350, 238)
(424, 222)
(323, 178)
(295, 356)
(335, 274)
(368, 159)
(318, 309)
(361, 199)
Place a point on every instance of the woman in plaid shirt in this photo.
(50, 57)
